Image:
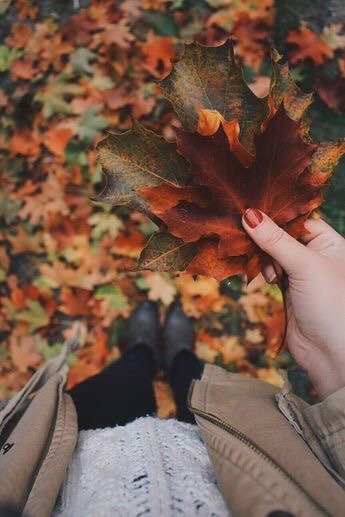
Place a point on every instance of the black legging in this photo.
(123, 391)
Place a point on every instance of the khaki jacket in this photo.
(271, 452)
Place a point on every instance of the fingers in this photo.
(289, 253)
(317, 228)
(272, 272)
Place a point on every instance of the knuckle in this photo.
(276, 237)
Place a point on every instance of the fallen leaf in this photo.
(23, 354)
(308, 44)
(35, 315)
(158, 53)
(74, 302)
(57, 137)
(160, 288)
(231, 350)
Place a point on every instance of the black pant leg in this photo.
(120, 393)
(185, 368)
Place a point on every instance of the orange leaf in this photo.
(22, 351)
(57, 136)
(74, 302)
(25, 142)
(308, 44)
(208, 124)
(158, 55)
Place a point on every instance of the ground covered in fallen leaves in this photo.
(71, 70)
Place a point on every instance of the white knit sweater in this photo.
(151, 467)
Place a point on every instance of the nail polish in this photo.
(253, 217)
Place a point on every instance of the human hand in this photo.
(315, 296)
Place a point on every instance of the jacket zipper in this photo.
(249, 443)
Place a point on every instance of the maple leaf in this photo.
(274, 183)
(308, 44)
(209, 78)
(74, 303)
(135, 159)
(159, 288)
(25, 142)
(164, 252)
(158, 54)
(57, 136)
(23, 354)
(244, 152)
(34, 315)
(332, 34)
(283, 89)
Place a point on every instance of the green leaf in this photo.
(141, 283)
(4, 5)
(114, 296)
(162, 22)
(6, 56)
(75, 153)
(273, 291)
(138, 158)
(80, 60)
(164, 252)
(90, 124)
(35, 315)
(49, 351)
(209, 78)
(103, 222)
(8, 207)
(56, 94)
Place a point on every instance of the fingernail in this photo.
(272, 279)
(253, 217)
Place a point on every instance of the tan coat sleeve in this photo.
(321, 425)
(327, 421)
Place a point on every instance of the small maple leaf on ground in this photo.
(158, 54)
(308, 44)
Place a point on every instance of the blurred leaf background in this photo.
(70, 70)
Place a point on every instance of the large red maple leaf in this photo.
(279, 182)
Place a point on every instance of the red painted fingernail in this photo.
(253, 217)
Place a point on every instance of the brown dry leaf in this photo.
(160, 288)
(308, 44)
(4, 258)
(19, 36)
(48, 199)
(130, 244)
(199, 296)
(23, 242)
(231, 349)
(158, 52)
(22, 351)
(25, 142)
(254, 336)
(205, 353)
(74, 302)
(165, 403)
(57, 137)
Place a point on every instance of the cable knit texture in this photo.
(148, 467)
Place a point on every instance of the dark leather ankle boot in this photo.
(143, 328)
(178, 334)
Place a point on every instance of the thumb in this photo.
(289, 253)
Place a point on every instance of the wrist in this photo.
(327, 375)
